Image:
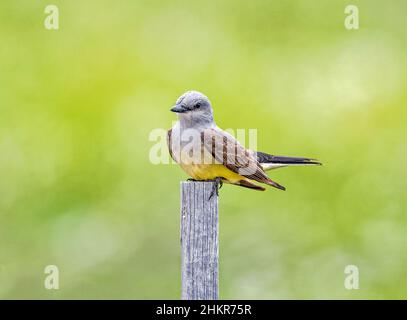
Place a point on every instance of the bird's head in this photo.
(194, 108)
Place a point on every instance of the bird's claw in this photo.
(217, 184)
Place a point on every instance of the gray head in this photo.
(194, 109)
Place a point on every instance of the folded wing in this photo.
(226, 150)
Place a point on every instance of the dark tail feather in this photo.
(247, 184)
(268, 158)
(274, 184)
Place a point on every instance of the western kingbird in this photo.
(206, 152)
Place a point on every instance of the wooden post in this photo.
(199, 241)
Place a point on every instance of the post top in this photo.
(197, 181)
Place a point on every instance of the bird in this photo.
(208, 153)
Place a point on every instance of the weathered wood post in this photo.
(199, 241)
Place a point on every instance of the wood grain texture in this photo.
(199, 241)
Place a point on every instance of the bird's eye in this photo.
(198, 105)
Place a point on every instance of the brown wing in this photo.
(228, 151)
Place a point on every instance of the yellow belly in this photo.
(210, 172)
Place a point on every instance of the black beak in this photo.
(179, 108)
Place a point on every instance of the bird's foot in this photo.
(217, 184)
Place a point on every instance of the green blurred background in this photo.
(77, 189)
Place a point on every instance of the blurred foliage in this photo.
(77, 105)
